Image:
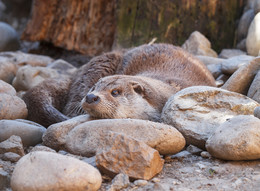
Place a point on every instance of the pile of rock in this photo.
(215, 122)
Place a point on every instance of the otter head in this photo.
(120, 96)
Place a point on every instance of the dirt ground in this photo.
(187, 172)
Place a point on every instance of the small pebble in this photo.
(205, 154)
(140, 182)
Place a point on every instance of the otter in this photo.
(130, 84)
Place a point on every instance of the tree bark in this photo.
(93, 26)
(87, 26)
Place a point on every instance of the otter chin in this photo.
(122, 96)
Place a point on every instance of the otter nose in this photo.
(91, 98)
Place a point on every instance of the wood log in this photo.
(93, 26)
(87, 26)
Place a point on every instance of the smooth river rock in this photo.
(85, 138)
(197, 111)
(12, 107)
(56, 134)
(229, 66)
(9, 39)
(7, 70)
(43, 171)
(30, 134)
(241, 80)
(21, 59)
(28, 77)
(236, 139)
(7, 88)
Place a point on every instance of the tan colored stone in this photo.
(198, 44)
(45, 171)
(7, 88)
(85, 138)
(55, 136)
(12, 107)
(7, 70)
(123, 154)
(28, 77)
(241, 80)
(13, 144)
(197, 111)
(236, 139)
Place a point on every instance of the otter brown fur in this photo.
(142, 78)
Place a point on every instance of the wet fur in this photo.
(160, 69)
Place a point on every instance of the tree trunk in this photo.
(93, 26)
(87, 26)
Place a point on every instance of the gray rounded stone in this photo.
(230, 65)
(8, 38)
(254, 90)
(30, 134)
(244, 24)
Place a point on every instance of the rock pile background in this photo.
(209, 138)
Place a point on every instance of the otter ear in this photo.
(138, 88)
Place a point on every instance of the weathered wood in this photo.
(87, 26)
(139, 21)
(93, 26)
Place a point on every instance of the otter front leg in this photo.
(45, 101)
(98, 67)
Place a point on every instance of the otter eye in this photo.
(115, 93)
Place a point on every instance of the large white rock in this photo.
(253, 37)
(30, 133)
(45, 171)
(236, 139)
(197, 111)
